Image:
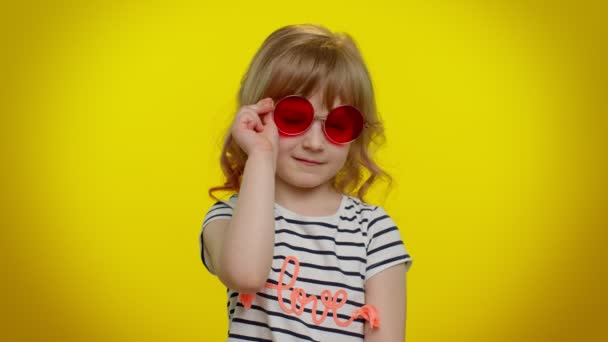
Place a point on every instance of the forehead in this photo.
(319, 103)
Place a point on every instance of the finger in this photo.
(267, 119)
(247, 123)
(266, 101)
(259, 127)
(270, 128)
(253, 121)
(263, 106)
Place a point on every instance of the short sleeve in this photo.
(219, 210)
(385, 248)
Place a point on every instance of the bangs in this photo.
(317, 67)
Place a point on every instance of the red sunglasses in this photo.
(294, 115)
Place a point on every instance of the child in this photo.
(302, 259)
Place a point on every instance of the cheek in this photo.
(341, 154)
(286, 145)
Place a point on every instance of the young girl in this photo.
(301, 258)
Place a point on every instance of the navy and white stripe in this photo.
(341, 251)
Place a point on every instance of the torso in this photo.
(314, 257)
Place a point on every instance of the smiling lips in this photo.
(308, 162)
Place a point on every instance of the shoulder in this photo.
(360, 208)
(221, 209)
(368, 214)
(229, 202)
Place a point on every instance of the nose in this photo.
(314, 138)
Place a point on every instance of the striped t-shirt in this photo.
(329, 258)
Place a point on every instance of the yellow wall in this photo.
(112, 117)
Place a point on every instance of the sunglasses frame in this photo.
(324, 120)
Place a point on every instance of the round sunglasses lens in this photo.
(344, 124)
(293, 115)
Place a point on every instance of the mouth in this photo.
(307, 162)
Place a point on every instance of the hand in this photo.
(254, 129)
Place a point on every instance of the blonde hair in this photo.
(304, 59)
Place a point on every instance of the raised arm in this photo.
(241, 248)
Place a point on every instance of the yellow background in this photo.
(112, 114)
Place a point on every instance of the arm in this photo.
(387, 292)
(241, 248)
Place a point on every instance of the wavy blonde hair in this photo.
(304, 59)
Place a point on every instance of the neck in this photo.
(319, 201)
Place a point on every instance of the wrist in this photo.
(263, 156)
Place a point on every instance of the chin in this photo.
(305, 181)
(306, 184)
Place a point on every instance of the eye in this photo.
(293, 119)
(336, 126)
